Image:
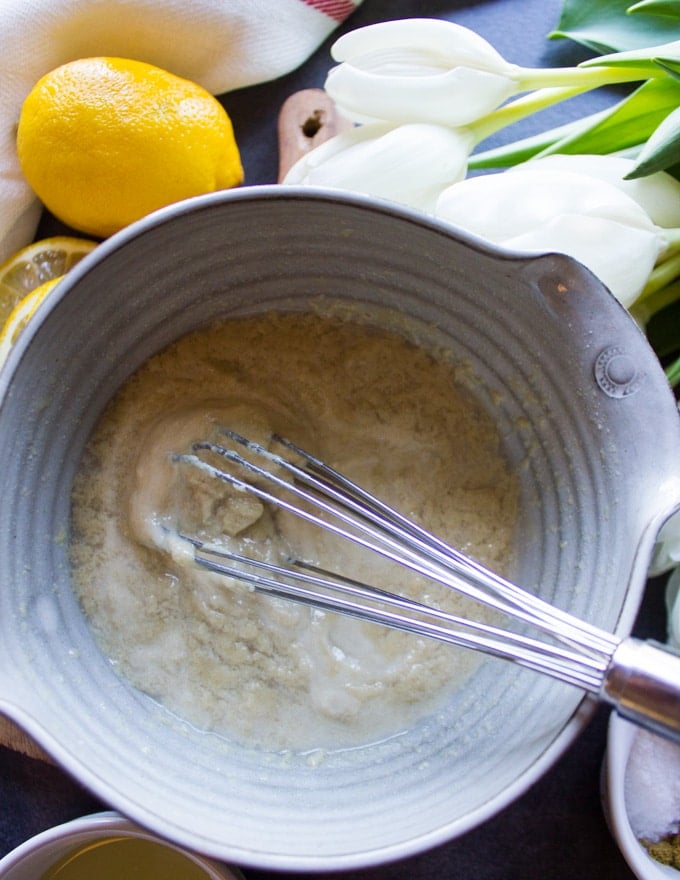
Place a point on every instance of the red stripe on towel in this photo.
(335, 9)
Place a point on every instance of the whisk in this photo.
(641, 679)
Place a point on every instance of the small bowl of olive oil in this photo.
(109, 847)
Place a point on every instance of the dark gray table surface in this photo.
(556, 830)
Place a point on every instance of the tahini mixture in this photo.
(388, 413)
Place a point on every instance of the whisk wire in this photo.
(426, 542)
(379, 528)
(641, 679)
(303, 586)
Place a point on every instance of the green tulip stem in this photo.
(546, 87)
(519, 109)
(590, 77)
(673, 373)
(663, 275)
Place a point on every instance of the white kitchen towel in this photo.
(220, 44)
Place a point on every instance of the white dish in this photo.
(32, 858)
(621, 738)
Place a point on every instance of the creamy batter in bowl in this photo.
(384, 410)
(578, 399)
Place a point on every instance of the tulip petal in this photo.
(410, 164)
(324, 154)
(419, 70)
(666, 556)
(456, 96)
(657, 194)
(456, 45)
(537, 211)
(673, 600)
(498, 206)
(621, 256)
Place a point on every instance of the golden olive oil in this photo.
(124, 858)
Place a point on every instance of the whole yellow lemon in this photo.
(105, 141)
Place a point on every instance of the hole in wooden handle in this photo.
(307, 119)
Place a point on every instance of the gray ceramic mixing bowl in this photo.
(586, 418)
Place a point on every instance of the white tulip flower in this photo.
(667, 550)
(673, 609)
(658, 194)
(432, 70)
(410, 164)
(534, 210)
(418, 70)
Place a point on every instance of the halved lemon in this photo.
(35, 264)
(21, 314)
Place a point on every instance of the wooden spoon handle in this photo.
(307, 119)
(13, 737)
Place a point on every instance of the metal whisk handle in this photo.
(643, 683)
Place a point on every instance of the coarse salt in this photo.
(652, 786)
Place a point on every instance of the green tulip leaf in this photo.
(657, 7)
(662, 149)
(671, 67)
(666, 56)
(526, 148)
(623, 127)
(605, 26)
